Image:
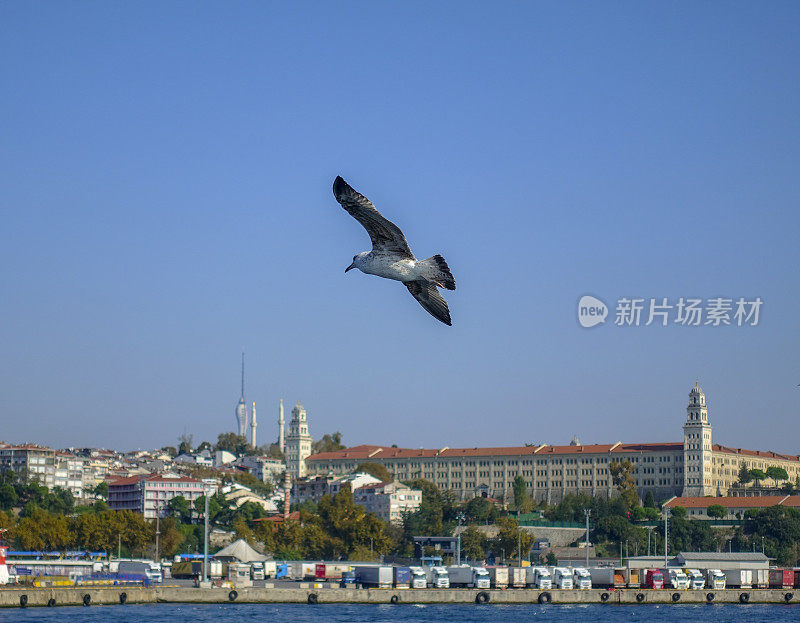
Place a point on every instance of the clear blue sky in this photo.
(166, 173)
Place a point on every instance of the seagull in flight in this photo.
(391, 257)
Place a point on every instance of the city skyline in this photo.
(167, 193)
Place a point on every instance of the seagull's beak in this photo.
(353, 265)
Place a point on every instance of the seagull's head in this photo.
(357, 259)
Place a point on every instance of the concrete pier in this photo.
(30, 597)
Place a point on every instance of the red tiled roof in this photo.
(367, 452)
(755, 453)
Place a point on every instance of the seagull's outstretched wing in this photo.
(429, 297)
(386, 236)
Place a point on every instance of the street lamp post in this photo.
(666, 540)
(460, 518)
(158, 528)
(205, 538)
(587, 512)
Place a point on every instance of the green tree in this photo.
(622, 477)
(473, 544)
(716, 511)
(510, 536)
(180, 508)
(185, 444)
(377, 470)
(649, 500)
(777, 473)
(744, 474)
(171, 450)
(235, 444)
(349, 524)
(678, 512)
(520, 494)
(101, 490)
(758, 476)
(328, 443)
(8, 497)
(551, 559)
(480, 510)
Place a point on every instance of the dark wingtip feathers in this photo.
(339, 186)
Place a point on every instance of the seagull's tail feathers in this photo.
(436, 269)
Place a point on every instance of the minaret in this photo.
(241, 408)
(253, 425)
(281, 436)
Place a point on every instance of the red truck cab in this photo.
(654, 579)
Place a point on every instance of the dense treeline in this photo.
(337, 528)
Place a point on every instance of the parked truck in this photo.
(696, 579)
(418, 577)
(539, 577)
(498, 576)
(379, 576)
(653, 578)
(715, 579)
(581, 578)
(781, 578)
(402, 577)
(438, 577)
(562, 577)
(150, 570)
(738, 578)
(466, 576)
(602, 577)
(257, 571)
(517, 576)
(302, 570)
(329, 571)
(677, 578)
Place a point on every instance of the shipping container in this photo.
(402, 577)
(760, 578)
(602, 577)
(781, 578)
(738, 578)
(377, 575)
(499, 576)
(329, 571)
(517, 576)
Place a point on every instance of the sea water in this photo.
(407, 613)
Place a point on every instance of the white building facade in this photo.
(298, 443)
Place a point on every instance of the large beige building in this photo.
(694, 466)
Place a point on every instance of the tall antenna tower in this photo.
(241, 407)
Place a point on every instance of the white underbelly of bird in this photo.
(399, 270)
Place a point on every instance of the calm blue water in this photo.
(290, 613)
